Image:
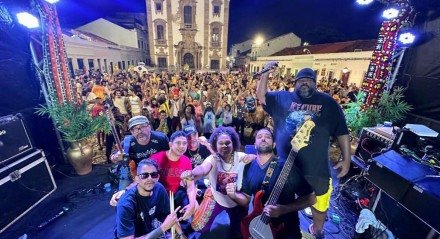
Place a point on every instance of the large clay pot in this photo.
(80, 155)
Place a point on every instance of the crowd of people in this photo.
(180, 128)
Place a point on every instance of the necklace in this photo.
(232, 164)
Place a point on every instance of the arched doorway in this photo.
(188, 59)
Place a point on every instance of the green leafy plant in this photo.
(391, 107)
(74, 121)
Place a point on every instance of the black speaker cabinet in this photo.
(14, 139)
(372, 141)
(23, 184)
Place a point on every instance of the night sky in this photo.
(315, 21)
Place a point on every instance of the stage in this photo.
(85, 211)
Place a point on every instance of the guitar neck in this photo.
(281, 181)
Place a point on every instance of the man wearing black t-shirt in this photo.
(289, 110)
(144, 210)
(142, 143)
(286, 209)
(197, 152)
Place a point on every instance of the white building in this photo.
(86, 51)
(274, 45)
(240, 48)
(345, 61)
(188, 34)
(112, 32)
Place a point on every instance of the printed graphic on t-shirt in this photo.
(223, 178)
(300, 113)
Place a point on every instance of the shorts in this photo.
(323, 190)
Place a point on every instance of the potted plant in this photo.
(76, 126)
(391, 107)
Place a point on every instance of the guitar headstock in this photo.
(302, 137)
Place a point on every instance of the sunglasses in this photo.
(153, 175)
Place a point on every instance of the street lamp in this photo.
(305, 50)
(259, 40)
(345, 70)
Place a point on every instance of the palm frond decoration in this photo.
(74, 121)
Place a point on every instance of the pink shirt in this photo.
(170, 170)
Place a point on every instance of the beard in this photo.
(264, 149)
(305, 91)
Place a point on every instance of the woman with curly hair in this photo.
(224, 168)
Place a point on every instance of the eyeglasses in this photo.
(153, 175)
(140, 128)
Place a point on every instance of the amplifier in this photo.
(14, 139)
(23, 184)
(373, 141)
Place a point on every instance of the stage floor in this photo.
(89, 215)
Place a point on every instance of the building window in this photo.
(139, 44)
(105, 65)
(91, 64)
(119, 65)
(215, 35)
(216, 11)
(99, 64)
(160, 32)
(162, 62)
(158, 6)
(216, 29)
(70, 63)
(187, 16)
(123, 65)
(215, 65)
(80, 62)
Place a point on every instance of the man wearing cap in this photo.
(288, 110)
(142, 142)
(197, 147)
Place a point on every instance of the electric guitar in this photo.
(257, 225)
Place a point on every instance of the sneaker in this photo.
(316, 236)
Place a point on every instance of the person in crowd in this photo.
(208, 121)
(135, 103)
(176, 109)
(98, 109)
(189, 116)
(121, 102)
(144, 210)
(164, 123)
(240, 119)
(288, 110)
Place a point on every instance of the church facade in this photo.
(188, 34)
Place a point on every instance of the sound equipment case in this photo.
(24, 183)
(14, 138)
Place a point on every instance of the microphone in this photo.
(264, 70)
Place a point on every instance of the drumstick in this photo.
(173, 229)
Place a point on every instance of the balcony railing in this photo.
(161, 41)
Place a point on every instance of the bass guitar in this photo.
(257, 225)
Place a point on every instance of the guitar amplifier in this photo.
(14, 139)
(23, 184)
(373, 141)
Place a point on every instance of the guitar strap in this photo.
(269, 173)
